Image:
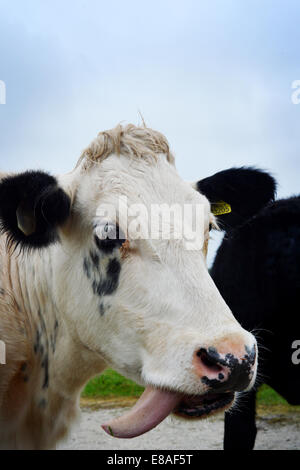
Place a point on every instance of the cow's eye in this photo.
(108, 236)
(106, 231)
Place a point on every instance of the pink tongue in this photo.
(152, 407)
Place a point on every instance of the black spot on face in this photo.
(102, 283)
(106, 246)
(109, 284)
(105, 286)
(101, 309)
(113, 268)
(95, 259)
(87, 267)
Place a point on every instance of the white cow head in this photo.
(147, 306)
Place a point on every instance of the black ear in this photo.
(32, 206)
(247, 190)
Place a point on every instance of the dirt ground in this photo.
(277, 429)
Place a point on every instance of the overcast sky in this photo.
(214, 76)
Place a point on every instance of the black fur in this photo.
(87, 267)
(101, 309)
(256, 270)
(102, 284)
(38, 193)
(108, 285)
(247, 190)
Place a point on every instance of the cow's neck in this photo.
(58, 365)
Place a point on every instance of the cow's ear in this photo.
(32, 206)
(237, 194)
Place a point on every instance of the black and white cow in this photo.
(256, 269)
(74, 300)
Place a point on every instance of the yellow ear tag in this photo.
(220, 208)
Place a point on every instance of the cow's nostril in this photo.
(209, 361)
(224, 372)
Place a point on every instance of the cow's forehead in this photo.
(143, 182)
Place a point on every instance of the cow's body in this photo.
(75, 299)
(257, 272)
(256, 269)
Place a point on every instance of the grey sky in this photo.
(214, 76)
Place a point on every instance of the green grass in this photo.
(267, 396)
(111, 384)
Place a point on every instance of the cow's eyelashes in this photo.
(108, 236)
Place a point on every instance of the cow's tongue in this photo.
(153, 406)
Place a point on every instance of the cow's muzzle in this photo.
(225, 372)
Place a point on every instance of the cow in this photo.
(79, 293)
(256, 270)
